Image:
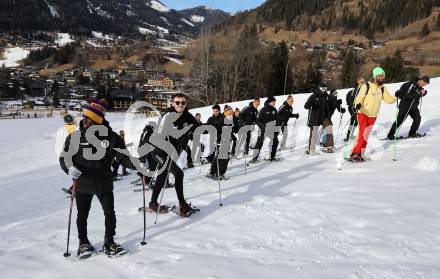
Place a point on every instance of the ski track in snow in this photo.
(300, 217)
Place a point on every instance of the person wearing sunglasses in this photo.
(93, 176)
(367, 103)
(184, 119)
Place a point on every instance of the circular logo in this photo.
(105, 143)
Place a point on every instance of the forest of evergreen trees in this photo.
(368, 17)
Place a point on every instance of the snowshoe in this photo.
(311, 153)
(253, 161)
(211, 176)
(329, 149)
(85, 251)
(272, 159)
(164, 209)
(154, 206)
(417, 135)
(355, 158)
(136, 181)
(114, 250)
(185, 209)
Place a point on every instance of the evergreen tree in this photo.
(54, 90)
(280, 74)
(348, 74)
(393, 67)
(425, 30)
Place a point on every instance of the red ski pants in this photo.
(365, 126)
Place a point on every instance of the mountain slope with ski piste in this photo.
(301, 217)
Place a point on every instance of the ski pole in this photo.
(170, 162)
(340, 123)
(72, 197)
(143, 197)
(307, 145)
(398, 129)
(143, 209)
(218, 176)
(245, 165)
(292, 136)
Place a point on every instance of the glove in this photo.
(398, 94)
(343, 110)
(358, 106)
(296, 115)
(74, 172)
(339, 102)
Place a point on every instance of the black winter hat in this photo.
(216, 107)
(425, 79)
(68, 119)
(270, 99)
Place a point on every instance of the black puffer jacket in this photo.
(97, 175)
(217, 122)
(351, 96)
(248, 115)
(285, 112)
(267, 114)
(333, 104)
(186, 119)
(409, 92)
(318, 108)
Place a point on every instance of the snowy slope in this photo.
(13, 55)
(297, 218)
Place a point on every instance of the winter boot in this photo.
(185, 209)
(113, 249)
(85, 250)
(153, 206)
(356, 158)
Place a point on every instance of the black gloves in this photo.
(295, 115)
(343, 110)
(358, 106)
(339, 102)
(398, 94)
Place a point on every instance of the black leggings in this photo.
(162, 178)
(83, 204)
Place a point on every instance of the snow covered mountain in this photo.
(122, 17)
(204, 15)
(300, 217)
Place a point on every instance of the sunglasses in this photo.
(178, 103)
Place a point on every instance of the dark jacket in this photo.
(186, 119)
(248, 115)
(217, 122)
(145, 139)
(333, 104)
(267, 114)
(97, 175)
(351, 96)
(285, 112)
(409, 92)
(236, 124)
(318, 108)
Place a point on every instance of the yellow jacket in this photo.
(70, 128)
(371, 102)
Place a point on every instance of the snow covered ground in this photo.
(13, 55)
(297, 218)
(63, 39)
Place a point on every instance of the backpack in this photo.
(368, 89)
